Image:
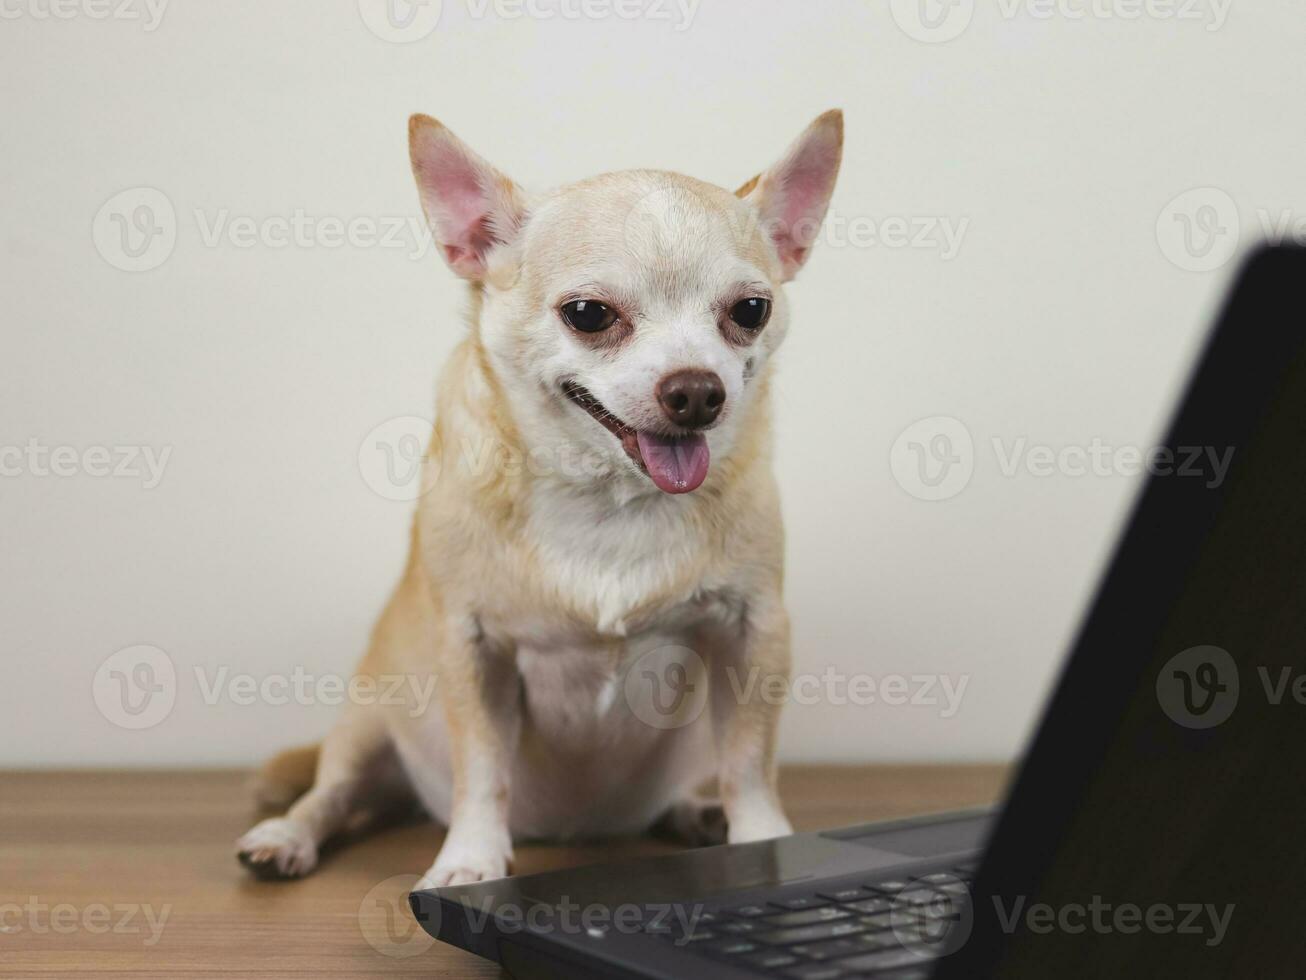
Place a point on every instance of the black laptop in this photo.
(1156, 825)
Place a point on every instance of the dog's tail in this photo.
(286, 777)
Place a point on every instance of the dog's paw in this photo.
(762, 825)
(698, 823)
(278, 848)
(463, 865)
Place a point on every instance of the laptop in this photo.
(1154, 828)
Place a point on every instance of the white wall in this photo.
(1064, 317)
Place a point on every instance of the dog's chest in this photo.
(608, 630)
(604, 573)
(621, 695)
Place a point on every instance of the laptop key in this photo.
(743, 927)
(749, 911)
(933, 898)
(886, 920)
(830, 949)
(845, 894)
(888, 959)
(889, 887)
(871, 941)
(798, 904)
(810, 934)
(726, 947)
(810, 917)
(699, 936)
(769, 960)
(870, 906)
(950, 887)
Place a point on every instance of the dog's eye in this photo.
(587, 316)
(751, 314)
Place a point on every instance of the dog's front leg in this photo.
(745, 670)
(481, 695)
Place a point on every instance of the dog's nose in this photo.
(691, 399)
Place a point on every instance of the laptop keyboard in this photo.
(888, 929)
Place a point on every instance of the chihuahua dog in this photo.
(599, 517)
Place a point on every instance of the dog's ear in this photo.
(471, 207)
(793, 196)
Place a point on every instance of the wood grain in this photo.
(79, 852)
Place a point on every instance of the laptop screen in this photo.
(1154, 829)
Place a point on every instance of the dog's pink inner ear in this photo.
(794, 196)
(471, 207)
(466, 233)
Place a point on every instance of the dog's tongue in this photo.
(677, 464)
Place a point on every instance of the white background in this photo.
(1064, 317)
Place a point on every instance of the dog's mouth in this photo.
(675, 464)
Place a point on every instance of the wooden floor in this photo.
(132, 874)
